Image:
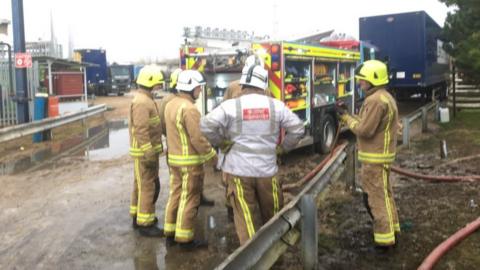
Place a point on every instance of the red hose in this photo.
(312, 173)
(451, 242)
(435, 177)
(317, 168)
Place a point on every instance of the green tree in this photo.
(462, 33)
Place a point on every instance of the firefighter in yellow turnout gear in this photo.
(145, 146)
(163, 104)
(376, 130)
(173, 93)
(188, 150)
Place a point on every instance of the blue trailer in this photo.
(409, 43)
(97, 76)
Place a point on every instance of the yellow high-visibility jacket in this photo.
(144, 126)
(186, 144)
(161, 109)
(376, 127)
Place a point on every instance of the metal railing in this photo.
(420, 113)
(14, 132)
(8, 101)
(297, 220)
(8, 107)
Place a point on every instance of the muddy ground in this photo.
(429, 212)
(74, 213)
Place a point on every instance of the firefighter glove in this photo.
(279, 150)
(150, 157)
(225, 146)
(344, 119)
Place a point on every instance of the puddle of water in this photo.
(106, 141)
(23, 164)
(112, 146)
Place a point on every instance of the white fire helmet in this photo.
(253, 60)
(189, 80)
(255, 76)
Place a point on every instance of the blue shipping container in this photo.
(97, 74)
(409, 43)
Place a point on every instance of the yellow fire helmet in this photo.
(174, 78)
(372, 71)
(149, 76)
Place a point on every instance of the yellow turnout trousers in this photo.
(183, 201)
(376, 183)
(146, 187)
(244, 193)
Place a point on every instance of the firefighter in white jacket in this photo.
(249, 127)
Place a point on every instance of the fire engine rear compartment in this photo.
(308, 79)
(311, 87)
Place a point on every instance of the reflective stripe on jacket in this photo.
(186, 144)
(253, 122)
(376, 127)
(144, 125)
(161, 109)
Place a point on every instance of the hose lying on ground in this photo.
(451, 242)
(319, 167)
(435, 177)
(312, 173)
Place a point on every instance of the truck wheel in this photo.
(328, 128)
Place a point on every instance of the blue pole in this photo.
(20, 73)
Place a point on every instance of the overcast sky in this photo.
(143, 29)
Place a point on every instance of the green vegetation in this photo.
(462, 35)
(465, 127)
(465, 119)
(461, 133)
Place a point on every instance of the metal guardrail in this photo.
(421, 113)
(15, 132)
(282, 230)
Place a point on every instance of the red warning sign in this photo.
(256, 114)
(23, 60)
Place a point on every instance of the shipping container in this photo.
(409, 43)
(97, 76)
(68, 84)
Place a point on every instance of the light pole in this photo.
(20, 73)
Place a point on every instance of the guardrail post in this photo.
(309, 243)
(350, 166)
(406, 132)
(424, 119)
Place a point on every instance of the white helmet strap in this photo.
(250, 74)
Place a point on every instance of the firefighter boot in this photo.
(194, 244)
(135, 225)
(206, 202)
(383, 250)
(150, 231)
